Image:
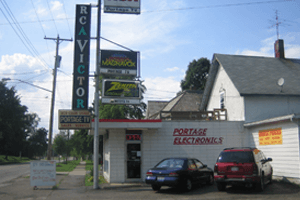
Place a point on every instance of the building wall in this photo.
(286, 155)
(159, 144)
(265, 107)
(234, 103)
(114, 154)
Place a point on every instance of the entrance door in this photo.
(133, 160)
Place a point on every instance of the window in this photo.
(222, 100)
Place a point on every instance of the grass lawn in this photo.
(88, 178)
(67, 167)
(13, 159)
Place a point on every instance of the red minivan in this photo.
(242, 165)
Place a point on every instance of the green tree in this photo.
(61, 144)
(13, 122)
(196, 75)
(82, 143)
(38, 142)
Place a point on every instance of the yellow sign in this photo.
(270, 136)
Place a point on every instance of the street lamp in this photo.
(8, 79)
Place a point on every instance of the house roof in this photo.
(253, 75)
(188, 100)
(154, 107)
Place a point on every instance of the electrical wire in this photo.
(52, 16)
(41, 27)
(21, 34)
(66, 17)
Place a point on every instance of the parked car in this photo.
(247, 166)
(179, 172)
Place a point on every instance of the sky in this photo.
(169, 34)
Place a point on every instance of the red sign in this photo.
(194, 136)
(133, 137)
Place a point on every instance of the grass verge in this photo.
(67, 167)
(89, 181)
(13, 159)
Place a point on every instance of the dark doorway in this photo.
(133, 160)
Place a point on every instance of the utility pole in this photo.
(96, 102)
(56, 65)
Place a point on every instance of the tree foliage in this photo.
(13, 122)
(38, 142)
(82, 143)
(196, 75)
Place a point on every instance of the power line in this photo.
(52, 17)
(21, 34)
(66, 18)
(218, 6)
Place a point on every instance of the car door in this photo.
(201, 172)
(192, 171)
(266, 167)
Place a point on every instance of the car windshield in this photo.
(171, 163)
(236, 156)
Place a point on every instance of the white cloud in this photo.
(17, 61)
(267, 48)
(56, 5)
(160, 88)
(172, 69)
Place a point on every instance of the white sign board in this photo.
(122, 6)
(42, 173)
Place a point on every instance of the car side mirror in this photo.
(269, 159)
(204, 166)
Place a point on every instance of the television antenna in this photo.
(276, 24)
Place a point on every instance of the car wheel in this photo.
(188, 184)
(271, 177)
(156, 187)
(210, 180)
(261, 184)
(221, 186)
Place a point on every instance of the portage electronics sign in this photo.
(81, 57)
(119, 62)
(121, 92)
(194, 136)
(122, 6)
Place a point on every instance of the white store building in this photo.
(248, 101)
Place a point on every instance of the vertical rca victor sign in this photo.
(81, 57)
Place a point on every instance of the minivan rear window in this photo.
(236, 156)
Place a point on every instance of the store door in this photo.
(134, 160)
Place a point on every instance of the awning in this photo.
(131, 124)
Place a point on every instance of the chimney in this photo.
(279, 49)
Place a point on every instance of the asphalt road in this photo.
(12, 171)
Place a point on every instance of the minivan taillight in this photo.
(255, 169)
(149, 174)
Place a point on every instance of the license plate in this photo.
(234, 169)
(160, 178)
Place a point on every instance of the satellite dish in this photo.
(280, 82)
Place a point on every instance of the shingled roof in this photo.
(253, 75)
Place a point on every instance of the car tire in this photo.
(210, 180)
(221, 186)
(261, 185)
(155, 187)
(188, 185)
(271, 177)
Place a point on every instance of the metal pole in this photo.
(53, 95)
(96, 102)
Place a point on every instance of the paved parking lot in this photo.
(276, 190)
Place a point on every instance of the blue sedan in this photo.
(179, 172)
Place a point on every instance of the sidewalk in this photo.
(71, 185)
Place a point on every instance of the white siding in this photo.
(234, 103)
(158, 145)
(286, 156)
(264, 107)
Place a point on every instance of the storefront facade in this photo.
(130, 151)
